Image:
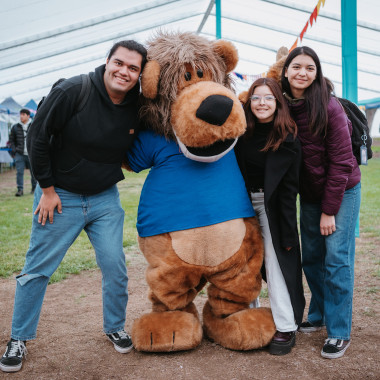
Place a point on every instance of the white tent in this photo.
(41, 41)
(9, 115)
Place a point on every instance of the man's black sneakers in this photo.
(121, 341)
(12, 358)
(334, 348)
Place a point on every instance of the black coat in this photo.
(281, 181)
(16, 139)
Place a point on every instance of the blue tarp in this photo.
(32, 107)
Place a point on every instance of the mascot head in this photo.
(187, 94)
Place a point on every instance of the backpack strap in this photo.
(84, 92)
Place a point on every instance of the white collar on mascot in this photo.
(194, 157)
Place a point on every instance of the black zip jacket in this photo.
(89, 145)
(16, 139)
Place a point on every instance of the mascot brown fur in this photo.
(274, 71)
(184, 72)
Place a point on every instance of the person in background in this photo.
(77, 191)
(17, 139)
(330, 192)
(269, 156)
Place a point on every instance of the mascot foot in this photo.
(244, 330)
(166, 331)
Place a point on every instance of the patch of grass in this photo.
(376, 145)
(368, 248)
(264, 293)
(15, 224)
(129, 190)
(370, 204)
(79, 257)
(368, 312)
(16, 220)
(376, 272)
(372, 290)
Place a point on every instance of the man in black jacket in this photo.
(77, 176)
(17, 139)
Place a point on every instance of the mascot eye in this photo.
(200, 73)
(187, 76)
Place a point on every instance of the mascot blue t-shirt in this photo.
(179, 193)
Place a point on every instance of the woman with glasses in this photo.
(269, 156)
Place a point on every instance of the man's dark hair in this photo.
(130, 45)
(25, 110)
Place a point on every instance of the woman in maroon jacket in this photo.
(330, 198)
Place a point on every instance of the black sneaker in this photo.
(19, 193)
(334, 348)
(12, 358)
(307, 327)
(121, 341)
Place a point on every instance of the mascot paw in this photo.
(166, 331)
(244, 330)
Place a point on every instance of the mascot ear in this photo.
(228, 52)
(149, 79)
(276, 69)
(243, 97)
(282, 52)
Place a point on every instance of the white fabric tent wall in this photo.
(81, 31)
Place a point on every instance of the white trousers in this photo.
(279, 298)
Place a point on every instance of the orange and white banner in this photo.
(312, 18)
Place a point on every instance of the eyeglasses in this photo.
(266, 98)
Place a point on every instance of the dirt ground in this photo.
(71, 344)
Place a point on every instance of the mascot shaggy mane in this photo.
(172, 51)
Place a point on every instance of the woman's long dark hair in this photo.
(317, 95)
(283, 123)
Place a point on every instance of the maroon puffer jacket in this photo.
(328, 165)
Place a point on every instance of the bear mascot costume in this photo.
(195, 221)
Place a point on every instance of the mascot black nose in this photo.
(215, 109)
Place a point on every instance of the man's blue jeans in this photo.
(328, 264)
(102, 217)
(22, 162)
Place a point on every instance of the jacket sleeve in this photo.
(339, 158)
(12, 139)
(287, 200)
(50, 119)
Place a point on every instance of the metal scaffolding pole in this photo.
(349, 50)
(218, 13)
